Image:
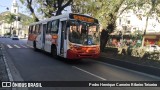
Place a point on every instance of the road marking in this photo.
(89, 73)
(30, 46)
(9, 46)
(9, 72)
(17, 46)
(23, 46)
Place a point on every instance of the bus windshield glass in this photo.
(83, 33)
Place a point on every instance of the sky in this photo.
(22, 9)
(7, 3)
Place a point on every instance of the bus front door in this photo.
(62, 40)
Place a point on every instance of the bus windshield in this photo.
(83, 33)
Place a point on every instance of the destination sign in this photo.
(83, 18)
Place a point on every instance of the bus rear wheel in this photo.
(54, 52)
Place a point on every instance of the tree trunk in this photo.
(59, 12)
(145, 31)
(110, 28)
(29, 5)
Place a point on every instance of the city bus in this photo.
(71, 36)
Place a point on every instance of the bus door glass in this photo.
(63, 41)
(43, 35)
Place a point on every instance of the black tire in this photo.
(34, 46)
(54, 52)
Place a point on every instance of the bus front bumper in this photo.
(75, 55)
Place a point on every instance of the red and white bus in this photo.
(72, 36)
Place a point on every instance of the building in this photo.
(18, 26)
(132, 22)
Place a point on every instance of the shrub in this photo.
(151, 56)
(138, 52)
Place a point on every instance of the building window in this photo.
(14, 10)
(128, 22)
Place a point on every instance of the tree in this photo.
(28, 4)
(10, 18)
(106, 11)
(53, 6)
(46, 7)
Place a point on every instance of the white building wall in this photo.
(136, 22)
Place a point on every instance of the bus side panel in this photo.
(48, 43)
(31, 39)
(38, 42)
(30, 43)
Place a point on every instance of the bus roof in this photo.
(69, 15)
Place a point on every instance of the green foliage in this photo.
(7, 34)
(138, 52)
(45, 7)
(9, 18)
(105, 11)
(26, 20)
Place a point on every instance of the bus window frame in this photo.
(33, 29)
(40, 28)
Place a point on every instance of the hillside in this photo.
(24, 18)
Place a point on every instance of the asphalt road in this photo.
(28, 65)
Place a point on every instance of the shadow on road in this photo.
(67, 61)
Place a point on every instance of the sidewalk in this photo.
(3, 72)
(134, 63)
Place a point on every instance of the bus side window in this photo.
(54, 28)
(37, 29)
(31, 29)
(48, 27)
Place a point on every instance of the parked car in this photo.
(152, 48)
(14, 37)
(7, 36)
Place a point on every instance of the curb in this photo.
(6, 64)
(137, 67)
